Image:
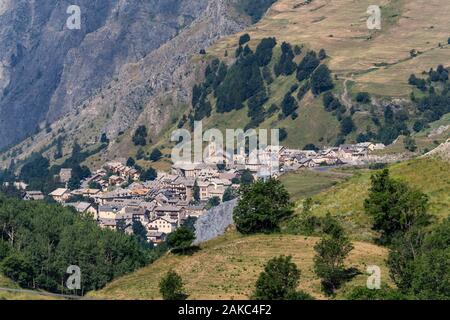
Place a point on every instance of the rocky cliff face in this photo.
(127, 56)
(215, 222)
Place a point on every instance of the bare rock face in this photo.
(214, 222)
(128, 52)
(441, 152)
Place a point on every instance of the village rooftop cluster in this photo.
(164, 204)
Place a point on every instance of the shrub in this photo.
(171, 287)
(285, 66)
(347, 126)
(130, 162)
(255, 8)
(228, 195)
(246, 178)
(386, 293)
(283, 134)
(331, 252)
(394, 206)
(149, 175)
(307, 66)
(410, 144)
(322, 54)
(288, 105)
(279, 281)
(263, 205)
(140, 136)
(180, 240)
(264, 51)
(156, 155)
(321, 80)
(18, 268)
(244, 39)
(363, 97)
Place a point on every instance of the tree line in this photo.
(39, 241)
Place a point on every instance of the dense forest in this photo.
(39, 241)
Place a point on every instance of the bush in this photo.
(264, 51)
(285, 66)
(244, 39)
(149, 175)
(140, 136)
(171, 287)
(279, 281)
(419, 262)
(288, 105)
(4, 249)
(410, 144)
(18, 268)
(306, 223)
(228, 195)
(156, 155)
(180, 240)
(303, 91)
(363, 293)
(255, 8)
(331, 252)
(262, 207)
(418, 125)
(311, 146)
(347, 126)
(363, 97)
(130, 162)
(307, 66)
(394, 206)
(331, 103)
(322, 54)
(321, 80)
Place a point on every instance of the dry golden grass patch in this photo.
(339, 26)
(228, 267)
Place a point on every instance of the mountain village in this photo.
(190, 189)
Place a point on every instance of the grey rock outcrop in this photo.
(127, 55)
(215, 222)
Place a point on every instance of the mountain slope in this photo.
(378, 61)
(107, 76)
(346, 200)
(227, 267)
(48, 70)
(156, 90)
(413, 39)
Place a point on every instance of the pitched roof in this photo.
(168, 208)
(58, 192)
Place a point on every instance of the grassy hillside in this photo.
(345, 200)
(9, 284)
(227, 267)
(378, 61)
(306, 183)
